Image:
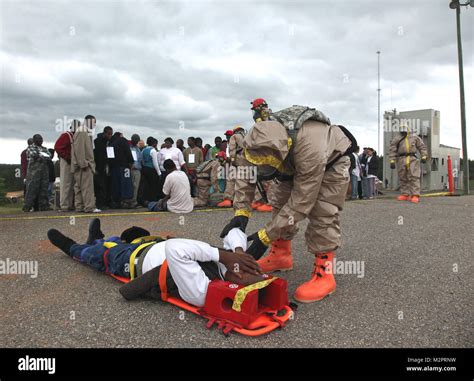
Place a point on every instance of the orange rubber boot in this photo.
(225, 204)
(415, 199)
(264, 208)
(279, 259)
(322, 282)
(403, 197)
(256, 204)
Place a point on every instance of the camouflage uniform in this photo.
(37, 178)
(207, 175)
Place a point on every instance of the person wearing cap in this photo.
(402, 155)
(307, 159)
(192, 264)
(207, 174)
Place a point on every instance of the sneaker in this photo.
(96, 210)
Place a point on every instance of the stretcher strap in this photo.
(241, 294)
(133, 256)
(106, 260)
(162, 281)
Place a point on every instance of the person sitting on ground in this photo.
(192, 264)
(177, 192)
(208, 175)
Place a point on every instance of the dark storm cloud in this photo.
(148, 67)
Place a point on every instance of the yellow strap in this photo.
(108, 245)
(267, 159)
(242, 212)
(146, 238)
(407, 146)
(134, 254)
(263, 236)
(241, 294)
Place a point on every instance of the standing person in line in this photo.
(121, 168)
(212, 152)
(136, 168)
(151, 172)
(37, 176)
(193, 157)
(355, 173)
(63, 148)
(172, 153)
(102, 181)
(363, 175)
(198, 142)
(24, 164)
(180, 144)
(83, 167)
(372, 167)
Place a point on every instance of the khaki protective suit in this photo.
(402, 152)
(207, 174)
(313, 192)
(83, 169)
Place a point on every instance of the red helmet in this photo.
(258, 102)
(229, 133)
(221, 154)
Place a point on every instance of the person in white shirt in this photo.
(173, 153)
(192, 264)
(177, 192)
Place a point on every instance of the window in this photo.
(442, 161)
(434, 164)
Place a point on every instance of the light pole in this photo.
(455, 4)
(378, 102)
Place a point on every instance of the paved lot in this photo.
(410, 295)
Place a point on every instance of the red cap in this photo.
(229, 133)
(221, 154)
(258, 102)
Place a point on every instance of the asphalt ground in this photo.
(416, 289)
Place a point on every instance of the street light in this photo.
(455, 4)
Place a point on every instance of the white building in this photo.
(426, 123)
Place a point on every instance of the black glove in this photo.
(392, 165)
(236, 222)
(257, 248)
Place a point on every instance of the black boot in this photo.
(59, 240)
(94, 231)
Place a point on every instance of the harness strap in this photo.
(106, 260)
(133, 256)
(162, 281)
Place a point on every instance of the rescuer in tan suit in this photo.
(207, 174)
(306, 157)
(403, 149)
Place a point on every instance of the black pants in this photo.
(152, 187)
(102, 189)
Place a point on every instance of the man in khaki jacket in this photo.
(403, 149)
(306, 157)
(83, 167)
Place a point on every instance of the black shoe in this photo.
(94, 231)
(59, 240)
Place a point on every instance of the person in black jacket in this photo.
(120, 167)
(371, 167)
(102, 175)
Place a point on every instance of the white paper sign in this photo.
(134, 155)
(110, 153)
(191, 158)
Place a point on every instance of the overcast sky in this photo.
(167, 68)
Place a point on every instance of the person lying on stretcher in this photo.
(191, 264)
